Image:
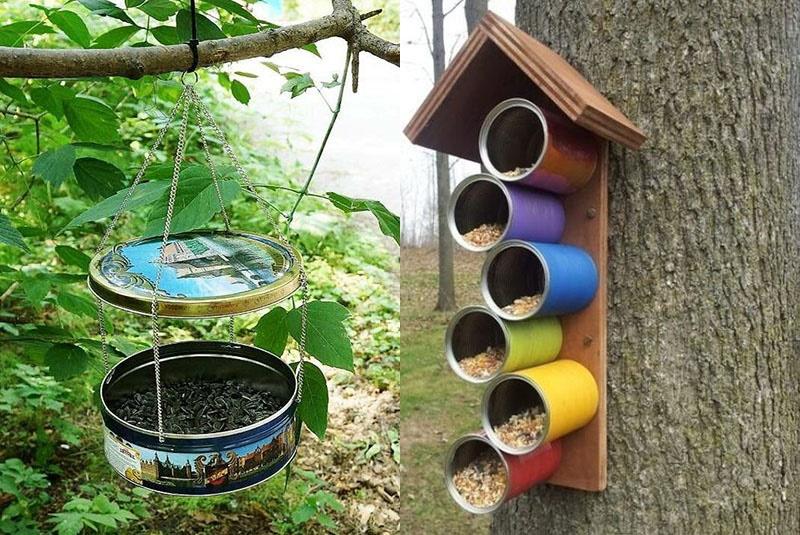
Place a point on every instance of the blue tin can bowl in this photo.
(204, 464)
(564, 276)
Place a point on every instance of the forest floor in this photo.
(436, 407)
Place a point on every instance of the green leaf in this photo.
(311, 47)
(55, 165)
(272, 333)
(14, 34)
(72, 25)
(133, 3)
(48, 100)
(196, 202)
(114, 38)
(66, 360)
(206, 29)
(12, 91)
(104, 8)
(232, 7)
(35, 289)
(166, 35)
(303, 514)
(313, 409)
(97, 178)
(73, 257)
(296, 83)
(77, 304)
(388, 221)
(160, 10)
(333, 83)
(145, 194)
(327, 338)
(240, 92)
(91, 119)
(10, 235)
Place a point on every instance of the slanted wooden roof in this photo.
(500, 61)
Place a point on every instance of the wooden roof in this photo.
(500, 61)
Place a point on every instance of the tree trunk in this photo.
(447, 291)
(703, 409)
(473, 11)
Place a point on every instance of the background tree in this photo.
(447, 293)
(473, 11)
(704, 419)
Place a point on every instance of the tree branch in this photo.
(344, 21)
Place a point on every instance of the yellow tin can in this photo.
(564, 390)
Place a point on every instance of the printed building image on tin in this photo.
(197, 265)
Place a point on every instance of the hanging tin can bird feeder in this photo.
(198, 417)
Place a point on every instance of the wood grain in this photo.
(584, 458)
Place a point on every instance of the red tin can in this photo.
(523, 472)
(522, 143)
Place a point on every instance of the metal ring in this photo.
(196, 78)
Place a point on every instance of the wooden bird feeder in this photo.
(498, 62)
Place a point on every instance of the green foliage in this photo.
(388, 221)
(318, 504)
(91, 119)
(99, 513)
(55, 165)
(272, 333)
(313, 409)
(297, 83)
(72, 25)
(240, 92)
(327, 338)
(105, 8)
(97, 178)
(10, 235)
(24, 485)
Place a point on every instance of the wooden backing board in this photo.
(584, 458)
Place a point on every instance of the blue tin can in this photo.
(204, 464)
(522, 279)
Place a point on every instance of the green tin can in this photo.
(506, 346)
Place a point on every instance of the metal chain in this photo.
(148, 158)
(176, 172)
(226, 147)
(212, 168)
(215, 180)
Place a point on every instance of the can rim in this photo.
(229, 347)
(451, 210)
(170, 307)
(487, 425)
(490, 257)
(449, 473)
(448, 343)
(483, 137)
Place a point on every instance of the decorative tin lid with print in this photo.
(205, 274)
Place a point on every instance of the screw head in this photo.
(591, 213)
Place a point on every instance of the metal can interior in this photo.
(509, 395)
(463, 451)
(478, 200)
(513, 270)
(471, 331)
(513, 139)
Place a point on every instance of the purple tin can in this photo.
(514, 212)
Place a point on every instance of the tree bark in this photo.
(703, 409)
(447, 291)
(473, 11)
(344, 21)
